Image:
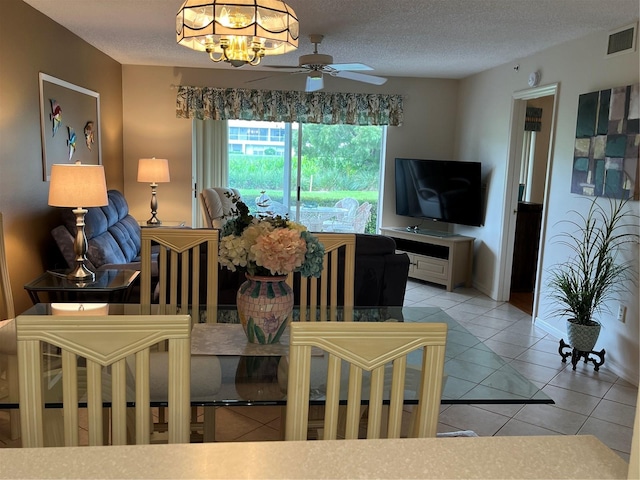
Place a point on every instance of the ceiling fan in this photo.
(317, 65)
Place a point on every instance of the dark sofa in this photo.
(114, 242)
(381, 273)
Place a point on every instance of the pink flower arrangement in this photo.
(280, 251)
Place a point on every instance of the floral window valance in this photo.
(289, 106)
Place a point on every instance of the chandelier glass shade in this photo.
(237, 31)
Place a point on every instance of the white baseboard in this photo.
(483, 288)
(547, 327)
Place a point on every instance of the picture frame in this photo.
(606, 158)
(69, 124)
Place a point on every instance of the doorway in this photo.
(527, 211)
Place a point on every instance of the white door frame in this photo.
(512, 179)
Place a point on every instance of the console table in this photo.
(446, 260)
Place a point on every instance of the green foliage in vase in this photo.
(595, 271)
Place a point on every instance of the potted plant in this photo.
(595, 272)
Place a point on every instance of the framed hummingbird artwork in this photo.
(69, 124)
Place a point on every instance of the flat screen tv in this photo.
(439, 190)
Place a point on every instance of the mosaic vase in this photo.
(264, 307)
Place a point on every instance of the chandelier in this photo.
(237, 31)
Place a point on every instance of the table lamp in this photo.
(153, 170)
(78, 186)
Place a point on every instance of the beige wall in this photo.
(151, 127)
(483, 130)
(32, 43)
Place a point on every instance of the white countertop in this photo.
(538, 457)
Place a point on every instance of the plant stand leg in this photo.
(562, 346)
(576, 355)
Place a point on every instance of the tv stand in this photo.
(437, 257)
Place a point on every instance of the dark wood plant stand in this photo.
(576, 355)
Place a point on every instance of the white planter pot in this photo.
(583, 337)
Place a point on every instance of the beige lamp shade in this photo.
(77, 185)
(153, 170)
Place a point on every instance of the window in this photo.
(336, 162)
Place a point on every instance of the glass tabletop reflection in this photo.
(227, 370)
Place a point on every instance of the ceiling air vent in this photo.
(622, 40)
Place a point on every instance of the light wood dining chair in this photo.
(319, 297)
(101, 342)
(186, 258)
(8, 358)
(365, 347)
(183, 264)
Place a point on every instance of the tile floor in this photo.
(587, 402)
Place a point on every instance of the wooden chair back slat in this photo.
(366, 347)
(180, 269)
(318, 297)
(103, 341)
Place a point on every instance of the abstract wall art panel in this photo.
(607, 144)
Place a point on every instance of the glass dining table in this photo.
(229, 371)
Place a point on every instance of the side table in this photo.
(167, 224)
(112, 286)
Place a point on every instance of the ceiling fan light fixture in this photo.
(315, 81)
(238, 32)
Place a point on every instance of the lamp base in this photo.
(81, 274)
(154, 207)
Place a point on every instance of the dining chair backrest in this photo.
(8, 359)
(6, 298)
(184, 252)
(101, 342)
(365, 347)
(319, 298)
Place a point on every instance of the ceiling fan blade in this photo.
(349, 66)
(360, 77)
(314, 84)
(285, 67)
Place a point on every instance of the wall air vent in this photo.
(622, 40)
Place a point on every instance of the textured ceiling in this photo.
(415, 38)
